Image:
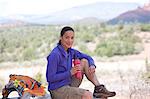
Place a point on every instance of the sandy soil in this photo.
(120, 76)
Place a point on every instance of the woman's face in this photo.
(67, 39)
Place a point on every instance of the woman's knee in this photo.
(87, 95)
(84, 61)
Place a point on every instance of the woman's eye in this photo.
(67, 37)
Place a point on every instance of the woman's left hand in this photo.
(91, 69)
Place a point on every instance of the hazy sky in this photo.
(12, 7)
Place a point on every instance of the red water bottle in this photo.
(76, 62)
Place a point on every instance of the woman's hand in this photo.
(92, 69)
(75, 69)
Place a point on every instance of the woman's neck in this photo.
(66, 49)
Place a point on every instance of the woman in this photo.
(60, 74)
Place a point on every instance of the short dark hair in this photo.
(64, 29)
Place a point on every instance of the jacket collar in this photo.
(62, 50)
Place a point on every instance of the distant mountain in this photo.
(5, 22)
(141, 15)
(88, 20)
(101, 10)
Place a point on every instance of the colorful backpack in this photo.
(23, 84)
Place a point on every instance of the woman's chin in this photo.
(69, 46)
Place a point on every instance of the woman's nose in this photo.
(70, 40)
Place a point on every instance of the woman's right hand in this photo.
(75, 69)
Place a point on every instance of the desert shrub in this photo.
(145, 27)
(138, 48)
(3, 44)
(29, 54)
(122, 44)
(104, 51)
(25, 41)
(120, 27)
(38, 77)
(83, 48)
(35, 41)
(87, 37)
(1, 84)
(146, 74)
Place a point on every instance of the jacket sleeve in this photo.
(82, 55)
(51, 72)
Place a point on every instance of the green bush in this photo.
(119, 45)
(87, 37)
(38, 77)
(29, 54)
(3, 45)
(145, 27)
(1, 84)
(83, 48)
(35, 41)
